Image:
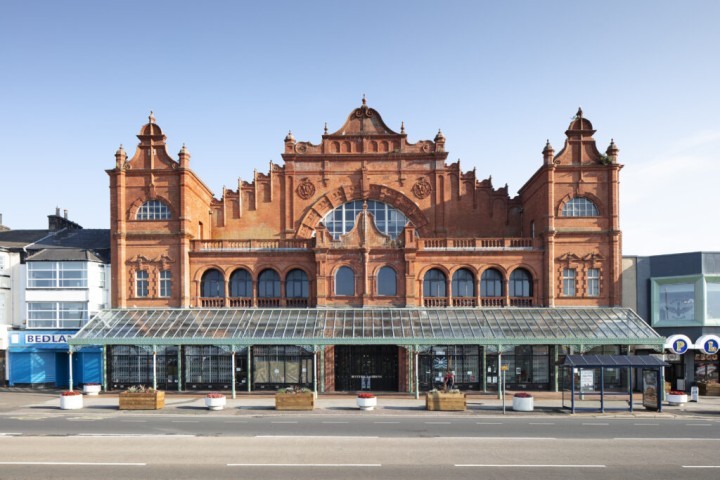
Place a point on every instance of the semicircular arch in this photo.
(315, 212)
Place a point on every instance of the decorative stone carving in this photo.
(422, 188)
(306, 189)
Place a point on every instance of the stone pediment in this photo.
(365, 233)
(363, 121)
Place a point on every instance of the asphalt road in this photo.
(384, 426)
(353, 457)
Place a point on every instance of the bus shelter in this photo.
(574, 365)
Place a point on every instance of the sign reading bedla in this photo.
(35, 338)
(678, 344)
(708, 344)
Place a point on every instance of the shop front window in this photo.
(677, 302)
(713, 300)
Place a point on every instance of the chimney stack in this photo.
(65, 212)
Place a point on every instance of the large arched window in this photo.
(434, 284)
(153, 210)
(296, 284)
(388, 220)
(579, 207)
(212, 284)
(463, 284)
(520, 283)
(491, 284)
(387, 282)
(345, 282)
(241, 284)
(269, 284)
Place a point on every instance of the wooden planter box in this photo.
(295, 401)
(451, 402)
(709, 389)
(142, 400)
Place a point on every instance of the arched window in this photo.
(212, 284)
(345, 282)
(153, 210)
(241, 284)
(463, 284)
(579, 207)
(296, 284)
(434, 284)
(491, 284)
(387, 282)
(388, 220)
(520, 283)
(269, 284)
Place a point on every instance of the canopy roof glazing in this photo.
(399, 326)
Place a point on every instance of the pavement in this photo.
(27, 401)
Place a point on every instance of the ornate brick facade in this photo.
(455, 221)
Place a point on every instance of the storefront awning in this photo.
(389, 326)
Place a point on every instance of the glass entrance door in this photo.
(366, 367)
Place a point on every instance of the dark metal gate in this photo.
(366, 367)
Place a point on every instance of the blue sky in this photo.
(230, 79)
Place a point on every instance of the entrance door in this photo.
(366, 367)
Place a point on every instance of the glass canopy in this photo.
(390, 326)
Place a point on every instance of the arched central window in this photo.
(389, 220)
(241, 284)
(345, 282)
(296, 284)
(153, 210)
(269, 284)
(463, 284)
(579, 207)
(212, 284)
(520, 283)
(491, 284)
(434, 284)
(387, 282)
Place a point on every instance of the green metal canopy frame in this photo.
(361, 326)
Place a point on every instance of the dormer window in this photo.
(153, 210)
(579, 207)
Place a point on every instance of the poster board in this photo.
(650, 389)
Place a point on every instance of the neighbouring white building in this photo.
(51, 282)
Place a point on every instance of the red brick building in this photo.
(366, 219)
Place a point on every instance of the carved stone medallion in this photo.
(306, 189)
(422, 188)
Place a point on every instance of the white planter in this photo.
(91, 389)
(71, 402)
(523, 404)
(367, 403)
(215, 403)
(676, 399)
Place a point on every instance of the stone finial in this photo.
(184, 156)
(120, 157)
(364, 101)
(289, 137)
(402, 127)
(579, 113)
(439, 138)
(151, 118)
(612, 151)
(326, 130)
(548, 153)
